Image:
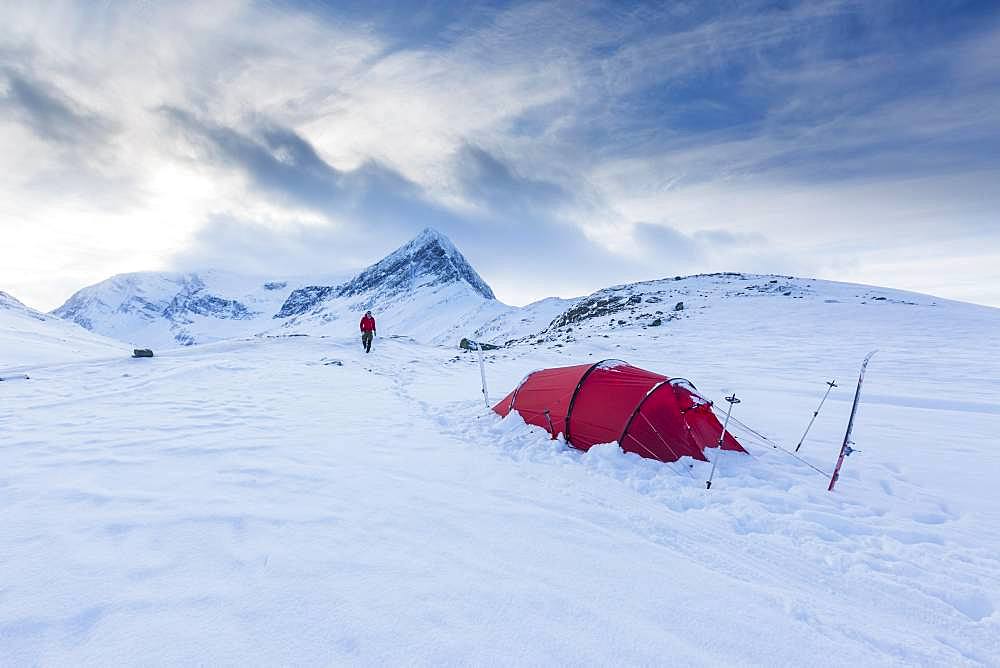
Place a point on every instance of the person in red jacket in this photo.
(367, 331)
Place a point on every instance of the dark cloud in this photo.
(277, 159)
(490, 181)
(50, 113)
(282, 162)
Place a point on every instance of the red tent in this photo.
(611, 401)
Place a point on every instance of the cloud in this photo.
(661, 242)
(51, 114)
(372, 208)
(562, 145)
(496, 186)
(287, 249)
(280, 161)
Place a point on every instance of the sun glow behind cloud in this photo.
(564, 146)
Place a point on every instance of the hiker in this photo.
(367, 331)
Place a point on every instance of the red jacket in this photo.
(367, 324)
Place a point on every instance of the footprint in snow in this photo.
(975, 605)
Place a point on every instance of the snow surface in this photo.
(29, 338)
(291, 500)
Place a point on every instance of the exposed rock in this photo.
(593, 307)
(194, 299)
(304, 299)
(465, 344)
(430, 259)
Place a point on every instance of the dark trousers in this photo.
(366, 340)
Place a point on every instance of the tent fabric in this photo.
(546, 391)
(614, 402)
(700, 418)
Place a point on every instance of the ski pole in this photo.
(722, 438)
(832, 384)
(482, 372)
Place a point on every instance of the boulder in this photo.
(466, 344)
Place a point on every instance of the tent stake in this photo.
(548, 418)
(832, 384)
(722, 438)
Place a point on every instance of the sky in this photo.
(563, 146)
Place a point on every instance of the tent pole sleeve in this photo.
(576, 391)
(638, 408)
(513, 397)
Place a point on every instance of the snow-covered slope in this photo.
(650, 305)
(516, 323)
(292, 501)
(425, 290)
(29, 338)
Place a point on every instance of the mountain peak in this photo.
(431, 238)
(428, 235)
(429, 259)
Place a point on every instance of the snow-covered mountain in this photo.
(168, 309)
(28, 337)
(425, 290)
(655, 304)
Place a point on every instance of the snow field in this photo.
(294, 501)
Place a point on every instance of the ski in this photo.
(846, 449)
